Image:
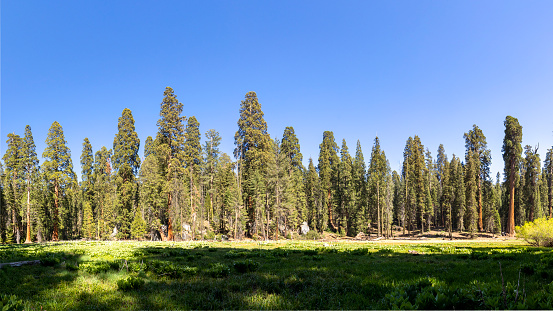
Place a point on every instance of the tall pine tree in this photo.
(512, 150)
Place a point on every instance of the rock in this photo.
(186, 227)
(114, 233)
(304, 228)
(413, 252)
(224, 238)
(361, 236)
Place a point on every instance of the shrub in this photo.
(311, 235)
(170, 269)
(95, 267)
(129, 283)
(538, 232)
(71, 266)
(218, 270)
(11, 303)
(244, 266)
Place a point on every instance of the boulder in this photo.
(304, 228)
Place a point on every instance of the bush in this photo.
(95, 267)
(311, 235)
(218, 270)
(538, 232)
(129, 283)
(11, 303)
(170, 269)
(244, 266)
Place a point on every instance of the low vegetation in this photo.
(538, 232)
(277, 275)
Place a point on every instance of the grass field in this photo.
(277, 275)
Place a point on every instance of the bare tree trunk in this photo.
(330, 219)
(480, 224)
(55, 235)
(28, 237)
(379, 232)
(511, 217)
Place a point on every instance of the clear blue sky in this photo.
(358, 68)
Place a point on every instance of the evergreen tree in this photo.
(152, 199)
(58, 169)
(512, 150)
(471, 191)
(14, 181)
(193, 161)
(441, 172)
(211, 152)
(475, 143)
(327, 169)
(345, 192)
(87, 187)
(531, 183)
(359, 179)
(149, 147)
(315, 211)
(104, 193)
(253, 151)
(30, 172)
(170, 152)
(290, 146)
(377, 178)
(548, 175)
(126, 164)
(139, 228)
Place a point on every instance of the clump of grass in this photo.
(218, 270)
(130, 283)
(244, 266)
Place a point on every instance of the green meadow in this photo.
(276, 275)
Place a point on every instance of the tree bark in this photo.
(55, 235)
(330, 219)
(480, 224)
(511, 217)
(28, 237)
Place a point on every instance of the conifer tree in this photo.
(359, 178)
(475, 142)
(315, 211)
(58, 169)
(345, 193)
(149, 147)
(512, 150)
(531, 182)
(327, 168)
(211, 152)
(104, 192)
(170, 152)
(548, 175)
(152, 198)
(14, 182)
(290, 147)
(253, 151)
(193, 161)
(441, 171)
(471, 191)
(30, 172)
(87, 188)
(377, 176)
(126, 164)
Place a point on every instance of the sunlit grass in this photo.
(277, 275)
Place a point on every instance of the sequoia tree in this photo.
(170, 150)
(328, 167)
(512, 150)
(58, 169)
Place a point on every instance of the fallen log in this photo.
(20, 263)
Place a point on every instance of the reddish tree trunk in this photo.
(511, 217)
(28, 237)
(480, 223)
(55, 236)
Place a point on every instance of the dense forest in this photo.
(182, 189)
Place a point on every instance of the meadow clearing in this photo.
(121, 275)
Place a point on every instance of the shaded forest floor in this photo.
(339, 274)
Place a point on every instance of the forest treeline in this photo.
(182, 189)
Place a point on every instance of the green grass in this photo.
(277, 275)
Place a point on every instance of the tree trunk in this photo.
(170, 236)
(330, 219)
(511, 217)
(480, 224)
(379, 232)
(55, 235)
(28, 237)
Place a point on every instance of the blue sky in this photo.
(357, 68)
